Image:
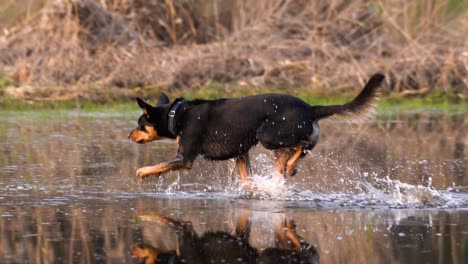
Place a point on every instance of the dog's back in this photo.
(231, 126)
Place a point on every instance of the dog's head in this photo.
(148, 122)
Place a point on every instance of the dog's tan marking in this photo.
(141, 136)
(146, 253)
(161, 168)
(136, 135)
(243, 222)
(286, 159)
(291, 163)
(293, 236)
(243, 165)
(286, 233)
(281, 157)
(280, 163)
(152, 133)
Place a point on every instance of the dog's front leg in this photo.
(175, 164)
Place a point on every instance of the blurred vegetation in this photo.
(113, 50)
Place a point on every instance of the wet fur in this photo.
(227, 128)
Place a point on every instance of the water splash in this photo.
(400, 193)
(384, 193)
(272, 186)
(366, 191)
(267, 183)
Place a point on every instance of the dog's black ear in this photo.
(144, 106)
(163, 99)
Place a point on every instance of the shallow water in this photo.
(393, 190)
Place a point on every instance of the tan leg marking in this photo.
(243, 221)
(291, 163)
(293, 236)
(286, 233)
(243, 165)
(161, 168)
(281, 157)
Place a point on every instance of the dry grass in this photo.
(320, 46)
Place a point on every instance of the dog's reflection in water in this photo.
(222, 247)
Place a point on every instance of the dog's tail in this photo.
(359, 109)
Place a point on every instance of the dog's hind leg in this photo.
(243, 165)
(281, 158)
(286, 159)
(292, 161)
(301, 151)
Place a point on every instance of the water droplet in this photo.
(284, 118)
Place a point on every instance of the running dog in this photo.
(227, 128)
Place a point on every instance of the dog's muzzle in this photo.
(134, 137)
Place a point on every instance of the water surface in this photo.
(394, 190)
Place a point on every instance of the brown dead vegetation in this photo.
(179, 45)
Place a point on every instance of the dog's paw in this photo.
(141, 173)
(292, 172)
(147, 171)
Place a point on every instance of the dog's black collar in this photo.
(171, 124)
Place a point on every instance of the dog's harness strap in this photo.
(171, 125)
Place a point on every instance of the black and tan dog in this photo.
(223, 247)
(227, 128)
